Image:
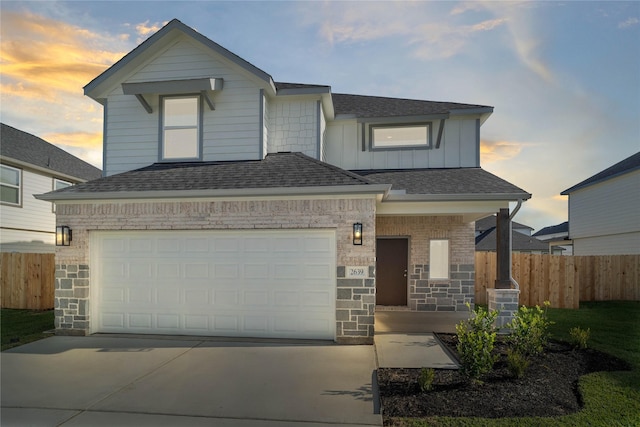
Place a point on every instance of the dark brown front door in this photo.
(391, 271)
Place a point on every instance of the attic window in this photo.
(400, 136)
(181, 128)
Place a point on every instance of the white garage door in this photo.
(237, 283)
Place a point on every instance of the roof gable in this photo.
(623, 167)
(32, 150)
(147, 50)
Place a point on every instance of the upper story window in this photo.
(181, 127)
(10, 185)
(400, 136)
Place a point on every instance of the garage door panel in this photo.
(229, 283)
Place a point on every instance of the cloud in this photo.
(418, 23)
(42, 57)
(498, 151)
(144, 29)
(45, 64)
(75, 139)
(630, 22)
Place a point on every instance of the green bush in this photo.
(529, 330)
(476, 338)
(517, 363)
(426, 379)
(579, 337)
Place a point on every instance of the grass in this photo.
(19, 327)
(610, 398)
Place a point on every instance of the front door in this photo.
(391, 271)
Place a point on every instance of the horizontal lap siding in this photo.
(230, 132)
(457, 148)
(33, 214)
(603, 218)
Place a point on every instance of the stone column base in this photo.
(506, 302)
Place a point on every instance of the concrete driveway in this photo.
(139, 381)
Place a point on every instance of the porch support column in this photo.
(503, 259)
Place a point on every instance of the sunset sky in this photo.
(564, 77)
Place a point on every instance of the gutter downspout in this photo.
(515, 211)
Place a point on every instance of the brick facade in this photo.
(424, 294)
(355, 302)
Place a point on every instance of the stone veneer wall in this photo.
(355, 303)
(435, 295)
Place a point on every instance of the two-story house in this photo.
(30, 165)
(603, 211)
(234, 205)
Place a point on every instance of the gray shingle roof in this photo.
(489, 222)
(376, 106)
(520, 242)
(18, 145)
(454, 181)
(283, 85)
(281, 170)
(553, 229)
(625, 166)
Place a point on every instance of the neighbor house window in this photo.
(439, 259)
(400, 136)
(10, 185)
(59, 184)
(180, 127)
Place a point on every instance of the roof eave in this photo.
(585, 184)
(45, 170)
(457, 197)
(373, 189)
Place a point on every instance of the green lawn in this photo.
(610, 398)
(19, 327)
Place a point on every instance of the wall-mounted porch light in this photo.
(357, 233)
(63, 235)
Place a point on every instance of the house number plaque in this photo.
(356, 272)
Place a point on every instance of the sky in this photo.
(563, 77)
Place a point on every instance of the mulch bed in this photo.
(549, 387)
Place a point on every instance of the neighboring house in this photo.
(234, 205)
(556, 236)
(521, 239)
(603, 211)
(30, 165)
(489, 223)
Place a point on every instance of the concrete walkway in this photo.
(405, 339)
(107, 381)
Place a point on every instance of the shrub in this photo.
(426, 379)
(579, 337)
(476, 338)
(517, 363)
(529, 330)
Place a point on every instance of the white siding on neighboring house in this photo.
(294, 125)
(25, 228)
(603, 217)
(230, 132)
(458, 147)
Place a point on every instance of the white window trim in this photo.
(55, 181)
(161, 156)
(19, 187)
(426, 145)
(432, 254)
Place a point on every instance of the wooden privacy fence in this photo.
(27, 280)
(564, 281)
